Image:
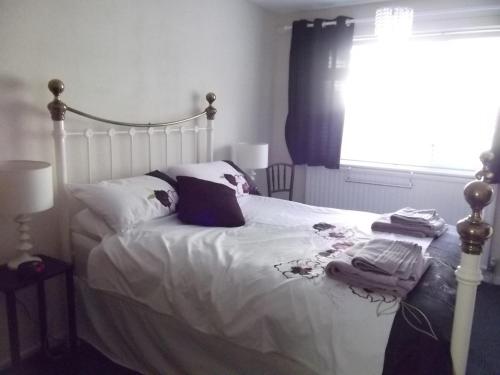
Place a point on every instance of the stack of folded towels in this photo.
(411, 222)
(380, 265)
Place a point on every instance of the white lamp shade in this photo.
(251, 156)
(25, 187)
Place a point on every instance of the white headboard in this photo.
(91, 151)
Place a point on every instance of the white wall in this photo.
(126, 59)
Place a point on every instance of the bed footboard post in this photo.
(210, 111)
(57, 111)
(473, 233)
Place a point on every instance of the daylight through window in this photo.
(427, 103)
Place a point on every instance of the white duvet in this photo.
(261, 286)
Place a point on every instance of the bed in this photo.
(180, 299)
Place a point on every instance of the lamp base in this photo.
(24, 245)
(24, 257)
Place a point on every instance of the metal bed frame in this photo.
(473, 230)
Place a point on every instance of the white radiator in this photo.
(375, 190)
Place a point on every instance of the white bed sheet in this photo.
(90, 225)
(81, 246)
(226, 282)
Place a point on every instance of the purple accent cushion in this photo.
(252, 186)
(164, 177)
(207, 203)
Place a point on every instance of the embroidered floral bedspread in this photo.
(261, 286)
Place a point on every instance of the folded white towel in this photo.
(342, 269)
(412, 216)
(434, 229)
(396, 258)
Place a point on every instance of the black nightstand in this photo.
(10, 282)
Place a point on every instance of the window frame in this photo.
(438, 36)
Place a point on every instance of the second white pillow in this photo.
(124, 203)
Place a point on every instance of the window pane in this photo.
(430, 103)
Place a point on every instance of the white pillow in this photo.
(216, 171)
(88, 223)
(124, 203)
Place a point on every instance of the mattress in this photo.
(148, 342)
(87, 231)
(81, 245)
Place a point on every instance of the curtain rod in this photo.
(416, 15)
(434, 33)
(329, 23)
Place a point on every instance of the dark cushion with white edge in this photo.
(208, 203)
(126, 202)
(254, 190)
(158, 174)
(218, 172)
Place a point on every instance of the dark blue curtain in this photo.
(319, 58)
(495, 148)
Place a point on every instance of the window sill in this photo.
(346, 164)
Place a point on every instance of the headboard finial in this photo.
(211, 111)
(478, 194)
(485, 173)
(56, 107)
(473, 230)
(211, 98)
(56, 87)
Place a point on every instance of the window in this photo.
(427, 103)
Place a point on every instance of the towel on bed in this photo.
(434, 228)
(384, 266)
(386, 257)
(412, 216)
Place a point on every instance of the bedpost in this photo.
(473, 233)
(211, 111)
(57, 111)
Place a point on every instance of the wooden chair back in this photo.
(280, 179)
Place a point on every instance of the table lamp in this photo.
(25, 188)
(250, 156)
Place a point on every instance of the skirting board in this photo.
(5, 363)
(25, 353)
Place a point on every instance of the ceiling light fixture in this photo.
(393, 24)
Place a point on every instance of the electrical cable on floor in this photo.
(45, 345)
